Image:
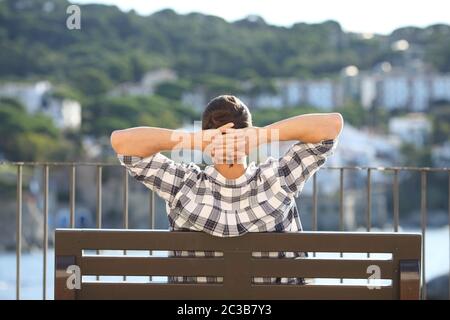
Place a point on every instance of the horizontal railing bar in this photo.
(390, 168)
(144, 266)
(103, 164)
(433, 169)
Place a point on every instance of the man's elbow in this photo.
(336, 123)
(117, 138)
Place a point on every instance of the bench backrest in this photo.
(237, 266)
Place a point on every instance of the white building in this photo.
(368, 91)
(364, 148)
(413, 128)
(441, 87)
(37, 97)
(441, 155)
(66, 113)
(404, 91)
(196, 99)
(155, 77)
(420, 91)
(399, 89)
(147, 85)
(292, 91)
(268, 100)
(350, 82)
(31, 95)
(393, 92)
(323, 94)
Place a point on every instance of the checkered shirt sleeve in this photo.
(158, 173)
(301, 161)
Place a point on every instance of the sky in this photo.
(376, 16)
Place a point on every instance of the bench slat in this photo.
(311, 268)
(321, 292)
(141, 266)
(320, 268)
(136, 291)
(141, 291)
(89, 239)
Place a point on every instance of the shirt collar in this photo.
(245, 178)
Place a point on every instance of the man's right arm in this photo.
(316, 135)
(308, 128)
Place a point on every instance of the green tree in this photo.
(263, 117)
(172, 90)
(29, 137)
(354, 114)
(92, 82)
(105, 114)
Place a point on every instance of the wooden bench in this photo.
(237, 266)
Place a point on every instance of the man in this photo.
(230, 197)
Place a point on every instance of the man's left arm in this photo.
(147, 141)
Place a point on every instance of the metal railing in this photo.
(99, 170)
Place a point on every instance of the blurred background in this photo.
(70, 75)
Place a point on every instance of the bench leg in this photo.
(409, 280)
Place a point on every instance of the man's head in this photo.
(224, 109)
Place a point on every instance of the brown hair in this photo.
(224, 109)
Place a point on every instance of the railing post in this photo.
(99, 204)
(369, 199)
(423, 210)
(396, 201)
(72, 196)
(125, 206)
(153, 214)
(45, 236)
(125, 199)
(369, 203)
(341, 199)
(18, 228)
(99, 197)
(151, 206)
(314, 215)
(341, 206)
(314, 208)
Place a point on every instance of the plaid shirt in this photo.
(261, 200)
